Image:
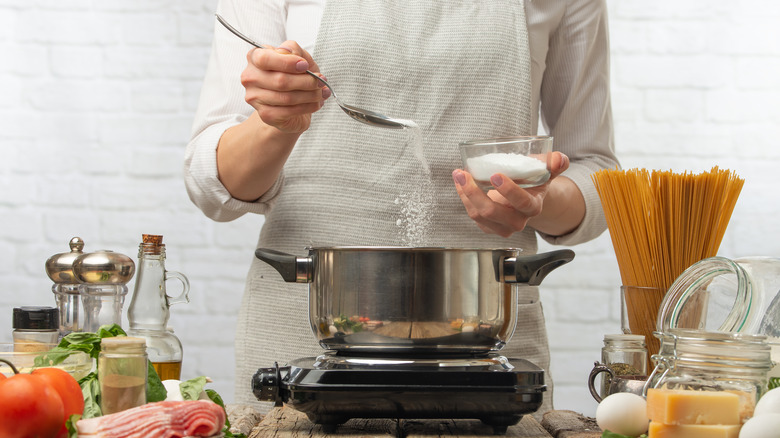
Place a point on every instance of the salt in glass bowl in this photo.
(23, 355)
(525, 160)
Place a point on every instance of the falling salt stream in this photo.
(415, 222)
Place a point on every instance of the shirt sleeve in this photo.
(575, 106)
(222, 106)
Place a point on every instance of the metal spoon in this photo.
(368, 117)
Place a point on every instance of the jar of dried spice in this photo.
(122, 372)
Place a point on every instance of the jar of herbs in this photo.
(122, 372)
(624, 355)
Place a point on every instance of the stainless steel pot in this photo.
(420, 300)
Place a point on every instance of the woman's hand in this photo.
(279, 88)
(507, 208)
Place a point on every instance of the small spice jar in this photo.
(625, 355)
(122, 371)
(713, 361)
(35, 328)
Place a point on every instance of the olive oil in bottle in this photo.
(148, 312)
(168, 370)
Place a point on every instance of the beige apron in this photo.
(460, 70)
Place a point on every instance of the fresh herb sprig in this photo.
(608, 434)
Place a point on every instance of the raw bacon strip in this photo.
(166, 419)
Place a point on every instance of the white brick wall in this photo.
(97, 97)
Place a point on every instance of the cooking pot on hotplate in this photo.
(391, 300)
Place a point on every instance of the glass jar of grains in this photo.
(713, 361)
(122, 371)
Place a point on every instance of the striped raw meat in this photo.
(166, 419)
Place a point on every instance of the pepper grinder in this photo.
(59, 268)
(103, 276)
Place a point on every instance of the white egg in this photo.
(762, 426)
(623, 413)
(769, 403)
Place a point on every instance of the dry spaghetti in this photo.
(660, 223)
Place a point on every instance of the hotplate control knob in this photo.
(267, 383)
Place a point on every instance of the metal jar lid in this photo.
(103, 267)
(36, 318)
(59, 267)
(123, 344)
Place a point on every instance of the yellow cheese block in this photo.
(659, 430)
(675, 407)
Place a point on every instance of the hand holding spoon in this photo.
(362, 115)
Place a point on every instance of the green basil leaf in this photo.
(53, 357)
(70, 424)
(90, 388)
(155, 390)
(216, 398)
(191, 389)
(108, 331)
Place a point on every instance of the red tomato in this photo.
(29, 408)
(68, 389)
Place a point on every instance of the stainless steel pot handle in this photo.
(533, 268)
(292, 268)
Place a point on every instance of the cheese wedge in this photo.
(659, 430)
(677, 407)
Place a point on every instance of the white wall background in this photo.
(97, 98)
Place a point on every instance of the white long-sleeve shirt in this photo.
(569, 78)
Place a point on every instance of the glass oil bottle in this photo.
(149, 308)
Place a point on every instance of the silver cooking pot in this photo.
(404, 300)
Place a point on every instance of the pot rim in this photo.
(408, 248)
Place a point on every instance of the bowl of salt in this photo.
(525, 160)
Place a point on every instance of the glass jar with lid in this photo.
(725, 295)
(624, 355)
(35, 328)
(122, 373)
(713, 361)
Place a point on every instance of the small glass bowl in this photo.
(525, 160)
(23, 355)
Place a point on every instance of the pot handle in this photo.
(293, 269)
(533, 268)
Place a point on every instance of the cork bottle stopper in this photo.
(151, 244)
(152, 239)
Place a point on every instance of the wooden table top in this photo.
(284, 422)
